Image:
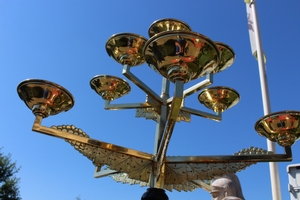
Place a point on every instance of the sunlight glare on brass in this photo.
(45, 98)
(167, 24)
(109, 87)
(219, 99)
(181, 55)
(126, 48)
(281, 127)
(227, 57)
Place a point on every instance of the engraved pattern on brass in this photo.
(180, 176)
(123, 178)
(45, 98)
(147, 113)
(281, 127)
(227, 57)
(219, 99)
(180, 173)
(126, 48)
(109, 87)
(168, 24)
(139, 169)
(181, 55)
(136, 168)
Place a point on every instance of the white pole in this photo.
(274, 175)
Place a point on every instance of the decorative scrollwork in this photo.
(253, 151)
(136, 170)
(123, 178)
(135, 167)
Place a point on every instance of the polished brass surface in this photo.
(219, 99)
(227, 57)
(167, 24)
(281, 127)
(181, 55)
(126, 48)
(45, 98)
(109, 87)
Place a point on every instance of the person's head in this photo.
(226, 186)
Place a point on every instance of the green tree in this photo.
(9, 189)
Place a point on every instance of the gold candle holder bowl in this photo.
(126, 48)
(281, 127)
(45, 98)
(167, 24)
(181, 55)
(109, 87)
(227, 57)
(219, 99)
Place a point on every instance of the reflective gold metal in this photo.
(45, 98)
(109, 87)
(227, 57)
(167, 24)
(181, 55)
(126, 48)
(219, 99)
(281, 127)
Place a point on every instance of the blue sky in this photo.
(64, 42)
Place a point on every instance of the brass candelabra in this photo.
(179, 55)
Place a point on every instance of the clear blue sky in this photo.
(63, 42)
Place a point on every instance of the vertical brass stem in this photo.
(171, 121)
(37, 122)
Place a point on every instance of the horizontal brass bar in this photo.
(216, 117)
(232, 158)
(104, 145)
(108, 106)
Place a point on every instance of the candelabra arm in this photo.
(195, 88)
(37, 127)
(109, 106)
(242, 157)
(216, 117)
(171, 121)
(126, 72)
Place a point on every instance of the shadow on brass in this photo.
(219, 99)
(109, 87)
(45, 98)
(281, 127)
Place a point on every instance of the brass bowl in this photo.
(181, 55)
(109, 87)
(227, 57)
(219, 98)
(126, 48)
(167, 24)
(281, 127)
(45, 98)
